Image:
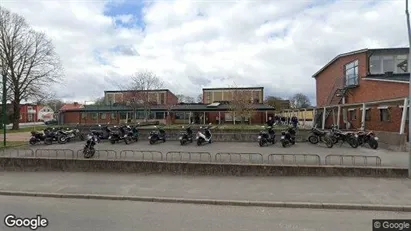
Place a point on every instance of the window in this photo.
(83, 115)
(375, 65)
(387, 64)
(162, 98)
(103, 116)
(401, 64)
(140, 115)
(385, 114)
(353, 114)
(351, 73)
(179, 115)
(368, 115)
(123, 115)
(160, 115)
(94, 116)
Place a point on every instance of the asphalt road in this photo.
(81, 215)
(252, 150)
(287, 189)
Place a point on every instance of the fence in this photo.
(187, 156)
(353, 160)
(305, 159)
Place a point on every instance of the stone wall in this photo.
(192, 168)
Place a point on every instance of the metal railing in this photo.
(353, 160)
(294, 159)
(188, 156)
(233, 157)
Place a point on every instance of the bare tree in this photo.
(185, 99)
(29, 60)
(100, 101)
(300, 100)
(241, 104)
(140, 92)
(200, 98)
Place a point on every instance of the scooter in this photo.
(288, 137)
(91, 141)
(266, 136)
(103, 133)
(367, 138)
(67, 135)
(37, 137)
(186, 135)
(131, 134)
(204, 137)
(118, 134)
(158, 135)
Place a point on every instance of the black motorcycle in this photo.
(103, 133)
(91, 141)
(131, 134)
(67, 135)
(266, 136)
(157, 135)
(118, 134)
(318, 135)
(345, 137)
(288, 137)
(367, 138)
(186, 135)
(38, 137)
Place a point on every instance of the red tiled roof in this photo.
(71, 106)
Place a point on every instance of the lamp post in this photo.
(409, 94)
(4, 106)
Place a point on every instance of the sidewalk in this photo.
(285, 189)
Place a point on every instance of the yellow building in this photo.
(211, 95)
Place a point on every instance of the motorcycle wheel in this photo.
(209, 141)
(328, 142)
(261, 142)
(152, 141)
(352, 142)
(373, 143)
(126, 140)
(284, 143)
(334, 140)
(88, 153)
(62, 139)
(199, 142)
(182, 142)
(112, 141)
(32, 141)
(135, 139)
(81, 136)
(292, 142)
(164, 140)
(48, 141)
(313, 139)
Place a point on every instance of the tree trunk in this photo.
(16, 114)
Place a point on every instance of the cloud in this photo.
(195, 44)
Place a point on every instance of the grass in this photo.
(30, 128)
(11, 144)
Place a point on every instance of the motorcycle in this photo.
(368, 138)
(131, 134)
(288, 137)
(266, 136)
(68, 135)
(186, 135)
(103, 133)
(204, 137)
(118, 134)
(318, 135)
(346, 137)
(88, 150)
(158, 135)
(37, 137)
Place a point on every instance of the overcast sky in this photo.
(194, 44)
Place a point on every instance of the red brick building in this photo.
(372, 79)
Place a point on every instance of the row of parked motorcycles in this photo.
(53, 134)
(267, 136)
(335, 136)
(129, 134)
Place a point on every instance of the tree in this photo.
(200, 98)
(55, 104)
(185, 99)
(277, 102)
(29, 60)
(100, 101)
(241, 105)
(140, 89)
(300, 100)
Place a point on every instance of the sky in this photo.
(195, 44)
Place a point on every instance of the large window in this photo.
(351, 73)
(385, 114)
(353, 114)
(388, 63)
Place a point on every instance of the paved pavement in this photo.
(81, 215)
(388, 158)
(287, 189)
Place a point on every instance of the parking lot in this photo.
(233, 152)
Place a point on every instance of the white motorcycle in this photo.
(204, 137)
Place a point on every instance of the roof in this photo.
(178, 107)
(233, 88)
(403, 77)
(119, 91)
(71, 106)
(354, 53)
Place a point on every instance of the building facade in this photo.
(155, 97)
(255, 94)
(374, 79)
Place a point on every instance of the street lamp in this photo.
(4, 106)
(409, 94)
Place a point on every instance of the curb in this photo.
(272, 204)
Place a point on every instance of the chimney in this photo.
(76, 103)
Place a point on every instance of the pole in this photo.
(409, 94)
(4, 107)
